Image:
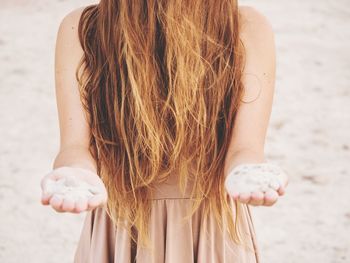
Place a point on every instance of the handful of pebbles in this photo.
(251, 177)
(71, 188)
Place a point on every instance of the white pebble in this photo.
(257, 177)
(71, 188)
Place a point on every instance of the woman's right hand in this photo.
(65, 203)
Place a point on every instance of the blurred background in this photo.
(309, 133)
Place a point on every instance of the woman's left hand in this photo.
(255, 197)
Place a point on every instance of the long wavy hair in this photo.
(161, 83)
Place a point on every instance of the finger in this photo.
(56, 203)
(234, 195)
(68, 204)
(45, 198)
(257, 198)
(270, 197)
(81, 205)
(244, 197)
(59, 210)
(281, 190)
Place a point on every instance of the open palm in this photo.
(256, 184)
(77, 177)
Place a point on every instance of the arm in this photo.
(74, 130)
(248, 138)
(74, 158)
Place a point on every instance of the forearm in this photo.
(242, 156)
(75, 156)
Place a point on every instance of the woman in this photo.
(158, 102)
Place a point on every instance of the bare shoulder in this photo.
(253, 14)
(68, 28)
(256, 30)
(68, 48)
(253, 20)
(74, 129)
(71, 19)
(258, 38)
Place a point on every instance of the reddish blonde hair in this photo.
(161, 83)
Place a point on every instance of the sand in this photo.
(255, 177)
(70, 188)
(308, 133)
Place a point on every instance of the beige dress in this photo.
(197, 240)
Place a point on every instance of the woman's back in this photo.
(139, 127)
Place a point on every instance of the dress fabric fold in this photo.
(173, 239)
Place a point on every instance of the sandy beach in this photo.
(308, 135)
